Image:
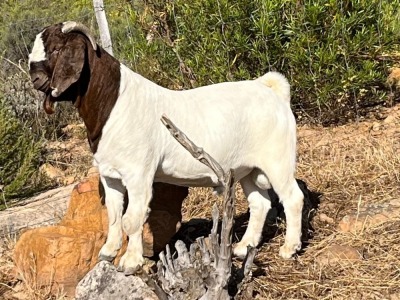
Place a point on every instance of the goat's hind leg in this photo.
(114, 199)
(259, 204)
(291, 197)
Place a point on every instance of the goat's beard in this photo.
(48, 104)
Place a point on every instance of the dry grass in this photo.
(351, 166)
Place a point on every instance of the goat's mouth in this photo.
(49, 103)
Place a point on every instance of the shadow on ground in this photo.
(196, 228)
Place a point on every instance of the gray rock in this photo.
(103, 282)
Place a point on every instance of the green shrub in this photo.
(336, 54)
(21, 20)
(19, 156)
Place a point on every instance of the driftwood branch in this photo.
(197, 152)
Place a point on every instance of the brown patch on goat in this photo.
(88, 78)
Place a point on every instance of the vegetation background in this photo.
(336, 54)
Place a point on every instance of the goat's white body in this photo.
(246, 126)
(235, 122)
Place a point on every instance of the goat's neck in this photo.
(101, 92)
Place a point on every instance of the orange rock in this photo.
(338, 254)
(60, 256)
(394, 77)
(371, 216)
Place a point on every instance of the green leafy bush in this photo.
(21, 20)
(19, 156)
(336, 54)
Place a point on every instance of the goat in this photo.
(246, 126)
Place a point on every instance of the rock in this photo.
(369, 217)
(394, 77)
(395, 202)
(390, 119)
(376, 126)
(326, 219)
(103, 282)
(92, 171)
(51, 172)
(338, 253)
(69, 180)
(44, 209)
(59, 256)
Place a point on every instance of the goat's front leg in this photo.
(114, 198)
(139, 194)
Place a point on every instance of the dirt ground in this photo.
(345, 171)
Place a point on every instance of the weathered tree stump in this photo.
(204, 271)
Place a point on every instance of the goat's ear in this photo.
(68, 67)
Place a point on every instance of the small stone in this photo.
(338, 253)
(51, 172)
(394, 202)
(326, 219)
(69, 180)
(394, 296)
(84, 187)
(389, 119)
(376, 126)
(92, 171)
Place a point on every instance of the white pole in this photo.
(103, 26)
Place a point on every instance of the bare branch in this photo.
(197, 152)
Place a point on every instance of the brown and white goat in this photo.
(246, 126)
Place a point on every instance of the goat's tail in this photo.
(278, 83)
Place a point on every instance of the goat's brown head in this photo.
(57, 61)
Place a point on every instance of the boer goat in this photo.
(246, 126)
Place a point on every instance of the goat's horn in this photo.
(75, 26)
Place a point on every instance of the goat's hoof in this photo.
(287, 251)
(130, 264)
(133, 270)
(120, 269)
(106, 258)
(240, 250)
(130, 270)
